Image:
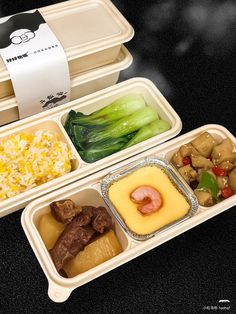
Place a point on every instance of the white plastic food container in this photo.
(88, 191)
(82, 84)
(90, 31)
(54, 120)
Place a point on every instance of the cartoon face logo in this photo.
(20, 28)
(21, 36)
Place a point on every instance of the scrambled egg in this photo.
(28, 160)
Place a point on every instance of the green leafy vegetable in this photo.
(80, 134)
(68, 125)
(120, 108)
(125, 125)
(148, 131)
(102, 149)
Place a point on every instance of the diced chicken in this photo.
(225, 151)
(177, 159)
(188, 173)
(199, 161)
(222, 182)
(204, 198)
(188, 150)
(227, 165)
(232, 180)
(204, 144)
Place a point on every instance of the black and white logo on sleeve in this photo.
(21, 36)
(53, 101)
(36, 63)
(20, 28)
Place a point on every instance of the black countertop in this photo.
(187, 48)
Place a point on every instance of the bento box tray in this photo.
(82, 84)
(54, 120)
(89, 190)
(90, 31)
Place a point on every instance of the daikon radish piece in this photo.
(100, 250)
(50, 230)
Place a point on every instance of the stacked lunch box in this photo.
(95, 57)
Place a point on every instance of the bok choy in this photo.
(125, 125)
(148, 131)
(125, 122)
(120, 108)
(102, 149)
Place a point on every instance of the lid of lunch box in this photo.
(83, 27)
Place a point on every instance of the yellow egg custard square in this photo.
(174, 205)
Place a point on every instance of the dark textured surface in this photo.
(188, 49)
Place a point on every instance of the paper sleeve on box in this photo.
(36, 63)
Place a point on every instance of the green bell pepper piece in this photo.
(208, 183)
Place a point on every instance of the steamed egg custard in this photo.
(174, 206)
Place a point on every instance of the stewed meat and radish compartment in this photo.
(79, 235)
